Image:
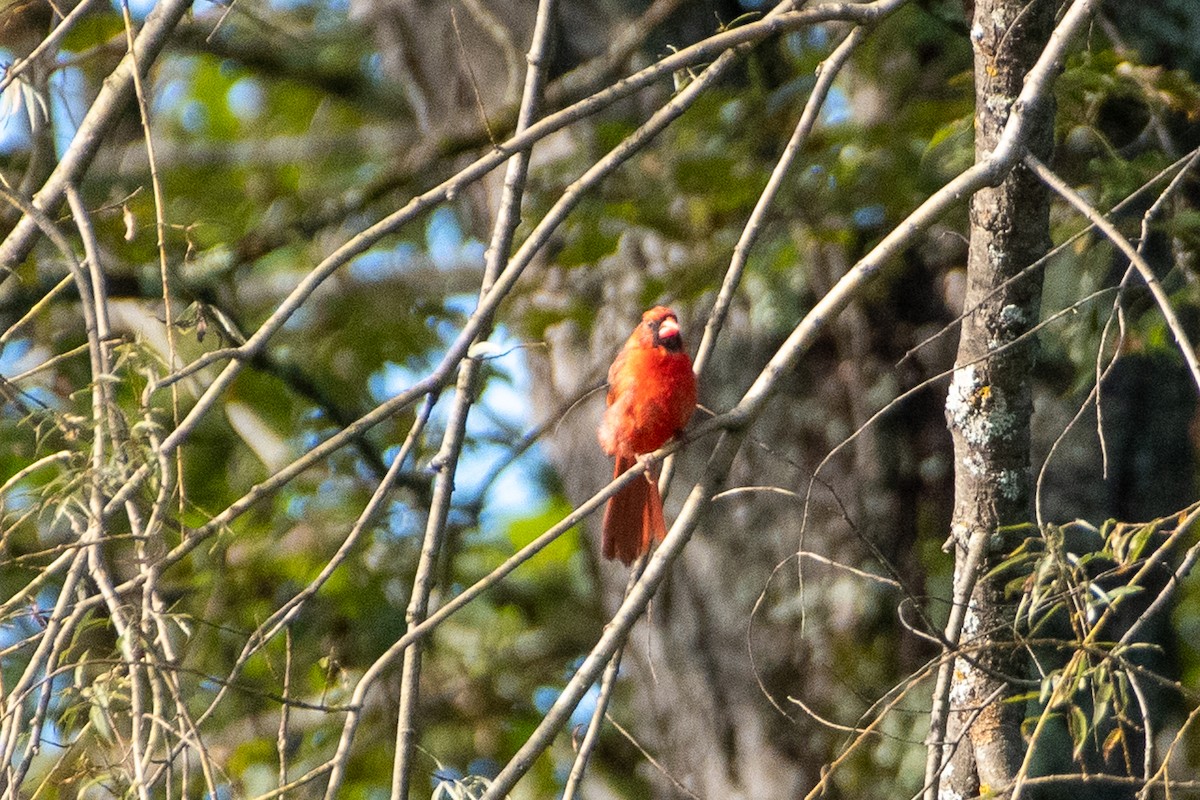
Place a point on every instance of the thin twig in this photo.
(36, 309)
(160, 227)
(607, 684)
(1007, 152)
(50, 41)
(654, 762)
(592, 735)
(283, 616)
(1121, 243)
(102, 114)
(1176, 167)
(636, 600)
(440, 375)
(1063, 688)
(745, 35)
(827, 73)
(281, 739)
(446, 461)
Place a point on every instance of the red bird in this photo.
(651, 397)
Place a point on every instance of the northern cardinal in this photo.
(651, 397)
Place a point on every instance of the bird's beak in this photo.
(668, 328)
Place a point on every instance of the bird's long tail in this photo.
(633, 517)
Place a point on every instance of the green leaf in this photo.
(951, 149)
(1077, 724)
(1023, 697)
(1047, 686)
(1137, 542)
(524, 530)
(1008, 563)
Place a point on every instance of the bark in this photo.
(990, 401)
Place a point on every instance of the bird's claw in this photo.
(650, 464)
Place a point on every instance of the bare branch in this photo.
(1121, 243)
(827, 73)
(103, 113)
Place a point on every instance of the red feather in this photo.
(651, 397)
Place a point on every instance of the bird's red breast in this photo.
(651, 397)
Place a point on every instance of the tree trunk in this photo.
(990, 401)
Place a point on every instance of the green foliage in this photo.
(1078, 590)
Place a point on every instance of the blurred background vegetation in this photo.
(284, 127)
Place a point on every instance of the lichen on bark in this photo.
(989, 405)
